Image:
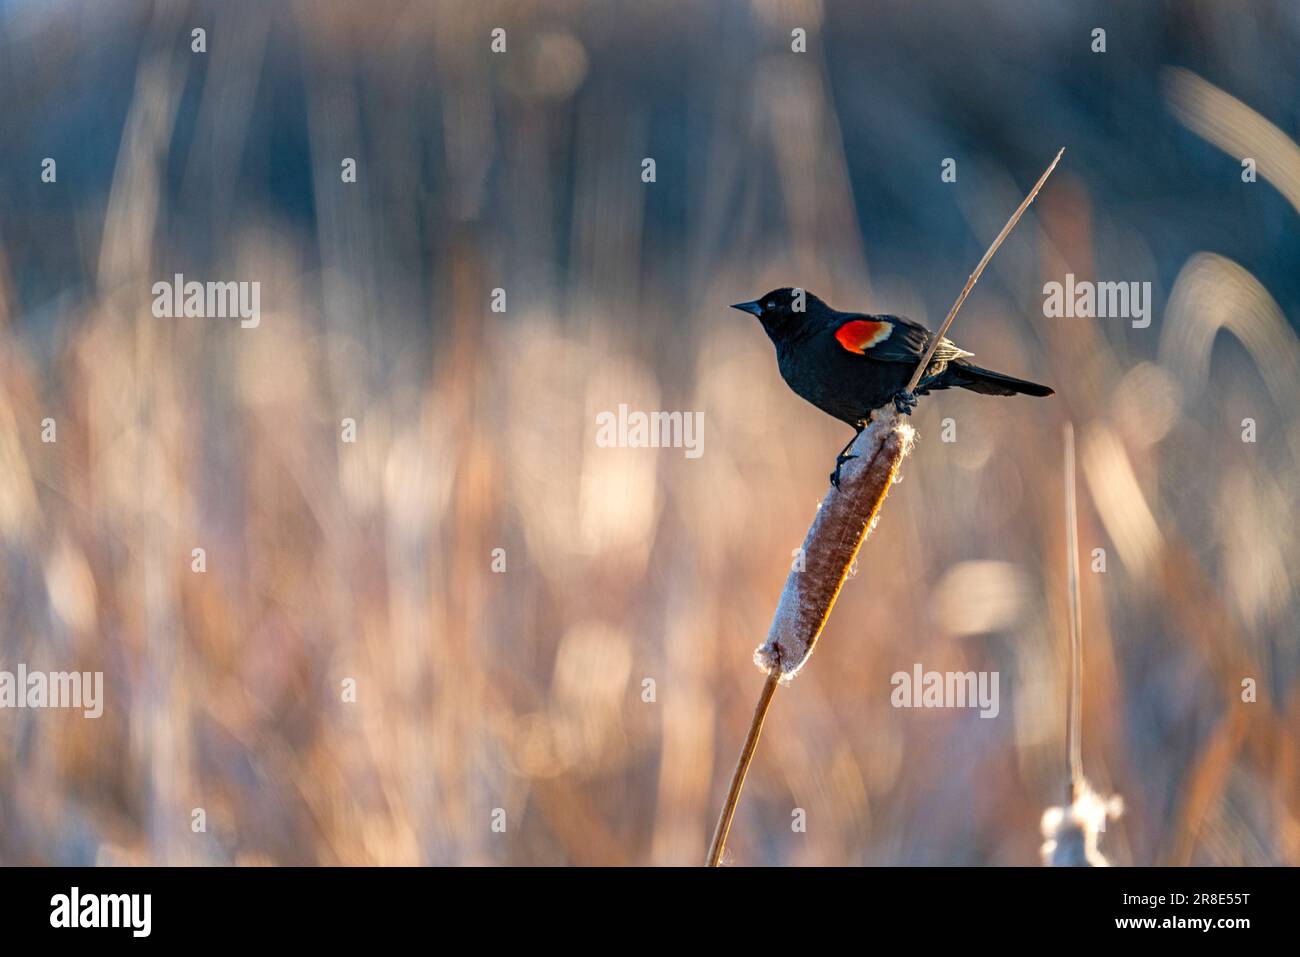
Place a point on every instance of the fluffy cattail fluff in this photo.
(1070, 833)
(845, 518)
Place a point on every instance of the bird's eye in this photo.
(771, 304)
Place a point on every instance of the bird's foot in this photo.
(904, 402)
(839, 464)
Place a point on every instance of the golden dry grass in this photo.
(523, 690)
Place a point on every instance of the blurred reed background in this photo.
(476, 430)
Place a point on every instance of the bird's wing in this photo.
(892, 339)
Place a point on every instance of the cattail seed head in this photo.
(846, 517)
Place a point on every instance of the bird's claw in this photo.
(839, 464)
(904, 402)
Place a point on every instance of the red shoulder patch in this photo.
(859, 335)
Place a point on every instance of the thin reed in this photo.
(1072, 833)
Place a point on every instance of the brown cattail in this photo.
(843, 521)
(845, 518)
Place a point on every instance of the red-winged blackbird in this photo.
(849, 363)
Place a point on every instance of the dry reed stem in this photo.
(1074, 707)
(742, 768)
(975, 275)
(1071, 832)
(845, 518)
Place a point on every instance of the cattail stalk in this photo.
(1074, 706)
(845, 518)
(1071, 833)
(723, 826)
(843, 521)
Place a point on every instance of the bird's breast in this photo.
(822, 378)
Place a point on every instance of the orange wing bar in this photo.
(859, 335)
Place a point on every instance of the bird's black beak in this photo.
(753, 307)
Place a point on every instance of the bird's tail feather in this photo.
(987, 382)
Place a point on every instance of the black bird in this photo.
(849, 363)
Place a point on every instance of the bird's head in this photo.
(783, 311)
